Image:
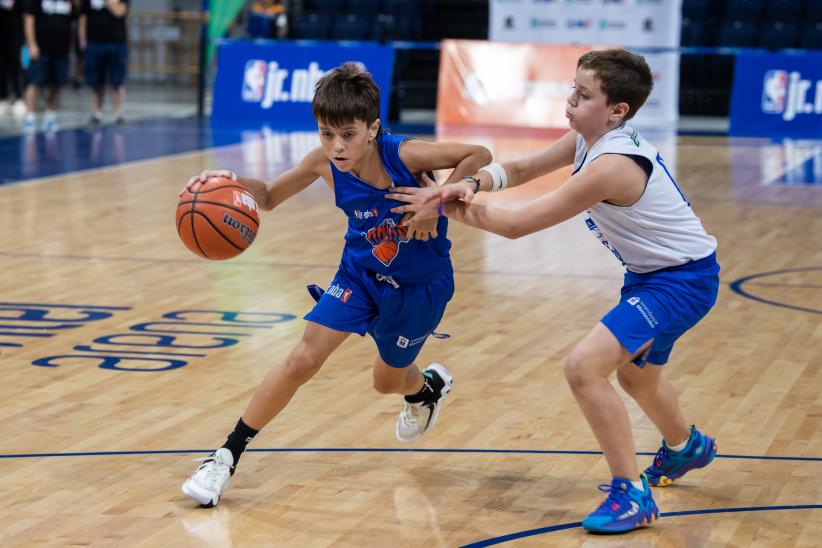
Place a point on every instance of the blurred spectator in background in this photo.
(11, 40)
(47, 27)
(103, 38)
(267, 19)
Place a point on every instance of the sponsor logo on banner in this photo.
(579, 23)
(774, 91)
(254, 80)
(790, 95)
(612, 24)
(267, 83)
(540, 23)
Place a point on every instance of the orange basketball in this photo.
(385, 251)
(217, 219)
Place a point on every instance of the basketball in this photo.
(217, 219)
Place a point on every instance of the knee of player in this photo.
(301, 364)
(578, 370)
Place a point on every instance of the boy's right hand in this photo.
(205, 176)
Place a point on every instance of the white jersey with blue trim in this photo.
(660, 229)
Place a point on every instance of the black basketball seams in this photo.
(226, 206)
(218, 188)
(216, 229)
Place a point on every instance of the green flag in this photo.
(221, 13)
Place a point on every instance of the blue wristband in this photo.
(441, 209)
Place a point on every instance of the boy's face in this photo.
(345, 146)
(587, 107)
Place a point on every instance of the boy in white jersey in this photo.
(633, 206)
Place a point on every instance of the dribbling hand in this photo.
(205, 176)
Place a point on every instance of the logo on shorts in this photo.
(340, 293)
(402, 342)
(633, 301)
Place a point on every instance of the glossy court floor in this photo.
(125, 357)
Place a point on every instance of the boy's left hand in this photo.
(421, 230)
(425, 202)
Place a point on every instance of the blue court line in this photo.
(736, 287)
(376, 450)
(551, 529)
(94, 306)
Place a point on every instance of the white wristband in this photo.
(499, 178)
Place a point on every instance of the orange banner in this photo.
(505, 84)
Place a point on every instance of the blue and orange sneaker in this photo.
(625, 509)
(669, 465)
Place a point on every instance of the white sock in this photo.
(638, 485)
(679, 446)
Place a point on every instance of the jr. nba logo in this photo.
(774, 91)
(254, 80)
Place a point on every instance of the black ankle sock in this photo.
(431, 387)
(238, 439)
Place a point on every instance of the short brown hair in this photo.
(625, 77)
(346, 94)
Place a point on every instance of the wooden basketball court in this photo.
(125, 357)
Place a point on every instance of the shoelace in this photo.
(410, 413)
(211, 474)
(615, 496)
(661, 455)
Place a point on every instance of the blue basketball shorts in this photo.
(399, 317)
(106, 62)
(49, 69)
(662, 305)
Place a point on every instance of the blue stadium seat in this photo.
(811, 36)
(312, 26)
(366, 7)
(695, 10)
(813, 11)
(786, 11)
(691, 34)
(259, 26)
(778, 35)
(352, 27)
(326, 7)
(737, 34)
(386, 28)
(743, 10)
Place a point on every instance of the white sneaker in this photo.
(50, 122)
(19, 108)
(418, 418)
(208, 481)
(29, 123)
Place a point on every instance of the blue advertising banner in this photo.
(777, 95)
(274, 81)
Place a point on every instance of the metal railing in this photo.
(164, 45)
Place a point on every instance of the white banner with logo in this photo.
(625, 23)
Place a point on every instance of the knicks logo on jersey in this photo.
(385, 240)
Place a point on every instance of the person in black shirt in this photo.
(47, 25)
(11, 39)
(102, 34)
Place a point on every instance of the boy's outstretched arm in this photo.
(425, 202)
(421, 156)
(611, 177)
(289, 183)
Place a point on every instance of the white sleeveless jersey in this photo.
(660, 229)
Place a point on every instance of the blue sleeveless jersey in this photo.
(373, 241)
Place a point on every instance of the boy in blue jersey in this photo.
(635, 209)
(393, 281)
